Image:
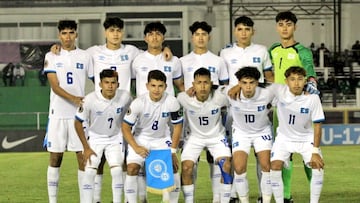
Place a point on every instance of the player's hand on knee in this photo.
(142, 151)
(316, 162)
(87, 155)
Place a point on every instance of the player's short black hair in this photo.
(155, 26)
(156, 75)
(295, 70)
(70, 24)
(200, 25)
(113, 22)
(202, 72)
(287, 16)
(244, 20)
(248, 72)
(109, 73)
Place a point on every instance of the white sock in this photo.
(97, 187)
(242, 186)
(141, 181)
(117, 184)
(316, 184)
(124, 178)
(215, 175)
(80, 183)
(277, 185)
(53, 174)
(233, 189)
(88, 184)
(174, 195)
(225, 192)
(266, 187)
(131, 188)
(188, 191)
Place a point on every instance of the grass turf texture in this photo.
(23, 178)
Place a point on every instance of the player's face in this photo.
(108, 87)
(156, 89)
(296, 83)
(67, 38)
(243, 34)
(202, 86)
(200, 39)
(285, 29)
(114, 35)
(248, 86)
(154, 39)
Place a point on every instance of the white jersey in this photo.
(254, 55)
(296, 115)
(204, 118)
(71, 68)
(151, 117)
(104, 116)
(215, 64)
(250, 115)
(119, 60)
(145, 62)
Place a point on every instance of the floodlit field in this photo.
(23, 178)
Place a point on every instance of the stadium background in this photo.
(28, 28)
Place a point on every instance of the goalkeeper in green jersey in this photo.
(283, 55)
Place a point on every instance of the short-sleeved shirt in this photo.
(151, 117)
(215, 64)
(71, 68)
(104, 115)
(297, 114)
(284, 57)
(119, 60)
(204, 118)
(255, 55)
(250, 115)
(145, 62)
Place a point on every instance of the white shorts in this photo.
(62, 136)
(242, 141)
(282, 150)
(217, 146)
(148, 143)
(114, 154)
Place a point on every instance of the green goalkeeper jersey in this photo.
(295, 55)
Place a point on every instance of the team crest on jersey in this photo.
(165, 114)
(79, 66)
(261, 108)
(128, 111)
(167, 68)
(211, 69)
(256, 60)
(124, 57)
(119, 110)
(304, 110)
(214, 111)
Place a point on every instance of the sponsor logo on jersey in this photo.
(146, 115)
(145, 69)
(291, 56)
(233, 61)
(102, 58)
(59, 65)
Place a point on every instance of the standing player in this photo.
(66, 73)
(202, 57)
(152, 113)
(283, 55)
(251, 127)
(299, 131)
(152, 59)
(104, 111)
(203, 114)
(246, 53)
